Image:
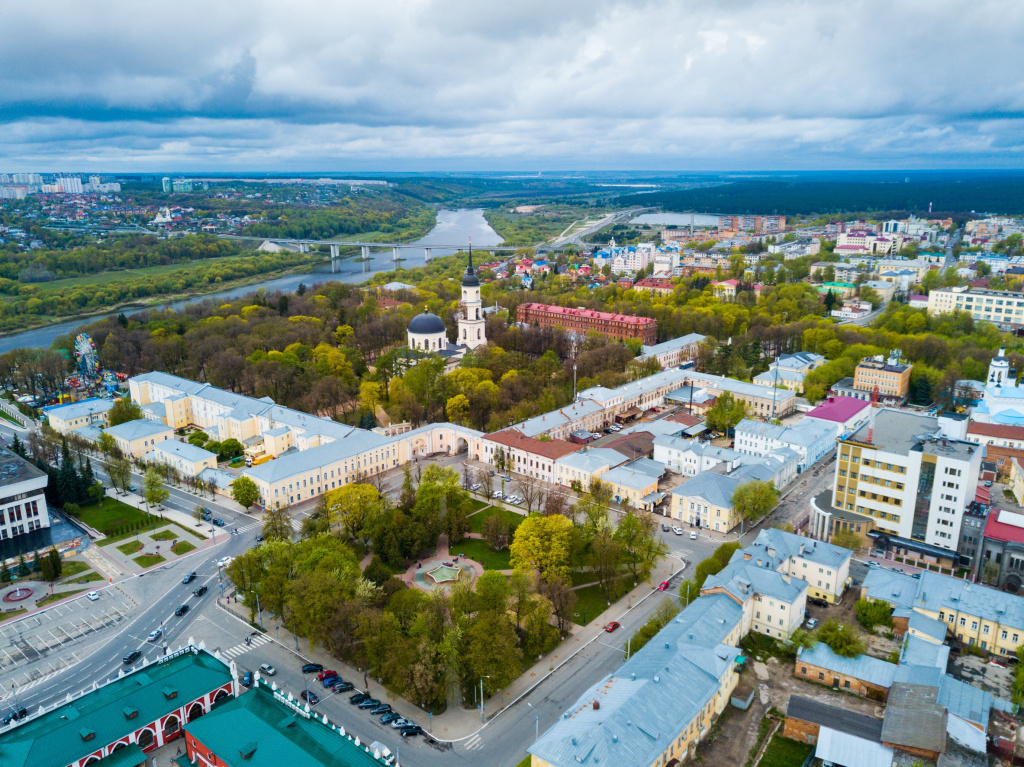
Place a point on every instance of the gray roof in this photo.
(913, 718)
(716, 489)
(182, 450)
(896, 431)
(745, 579)
(602, 394)
(804, 434)
(290, 464)
(840, 719)
(653, 696)
(930, 627)
(836, 747)
(864, 667)
(79, 409)
(648, 466)
(965, 700)
(786, 545)
(627, 476)
(156, 408)
(922, 652)
(799, 359)
(898, 589)
(545, 422)
(721, 383)
(143, 427)
(770, 377)
(591, 459)
(676, 343)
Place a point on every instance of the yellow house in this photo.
(706, 500)
(188, 459)
(136, 438)
(632, 486)
(64, 419)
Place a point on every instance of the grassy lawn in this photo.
(129, 548)
(193, 533)
(91, 576)
(783, 752)
(525, 762)
(112, 514)
(11, 418)
(57, 597)
(73, 567)
(481, 551)
(11, 614)
(183, 547)
(148, 560)
(164, 535)
(590, 603)
(579, 577)
(473, 506)
(476, 522)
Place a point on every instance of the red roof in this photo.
(566, 311)
(996, 430)
(553, 449)
(838, 409)
(653, 282)
(1005, 526)
(685, 419)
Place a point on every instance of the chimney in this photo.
(596, 705)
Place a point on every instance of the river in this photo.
(453, 227)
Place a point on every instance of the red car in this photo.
(612, 626)
(663, 586)
(324, 674)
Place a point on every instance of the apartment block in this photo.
(912, 481)
(1000, 306)
(588, 320)
(890, 378)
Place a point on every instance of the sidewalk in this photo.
(458, 723)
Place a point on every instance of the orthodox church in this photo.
(1003, 401)
(427, 332)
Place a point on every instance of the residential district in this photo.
(830, 578)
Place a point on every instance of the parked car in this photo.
(154, 635)
(131, 657)
(389, 717)
(811, 623)
(200, 591)
(328, 681)
(359, 697)
(218, 522)
(247, 679)
(383, 708)
(665, 528)
(366, 703)
(225, 561)
(693, 535)
(475, 486)
(677, 530)
(411, 731)
(14, 716)
(817, 602)
(267, 669)
(189, 578)
(988, 483)
(325, 674)
(340, 685)
(663, 586)
(312, 668)
(397, 723)
(92, 596)
(612, 626)
(259, 537)
(181, 610)
(497, 494)
(310, 697)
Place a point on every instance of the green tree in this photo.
(642, 547)
(725, 413)
(153, 488)
(106, 444)
(277, 525)
(56, 563)
(198, 438)
(230, 448)
(662, 614)
(349, 506)
(120, 472)
(6, 576)
(848, 539)
(841, 639)
(493, 653)
(245, 492)
(197, 513)
(496, 530)
(124, 410)
(754, 499)
(874, 612)
(541, 545)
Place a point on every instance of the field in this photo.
(783, 752)
(112, 514)
(480, 551)
(590, 603)
(105, 278)
(476, 522)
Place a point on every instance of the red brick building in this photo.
(587, 320)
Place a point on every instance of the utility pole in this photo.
(536, 729)
(482, 719)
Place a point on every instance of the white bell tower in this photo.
(999, 370)
(472, 325)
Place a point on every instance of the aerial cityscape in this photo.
(610, 384)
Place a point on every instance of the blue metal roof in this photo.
(862, 667)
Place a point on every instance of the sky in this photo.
(433, 85)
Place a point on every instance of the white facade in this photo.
(22, 502)
(690, 457)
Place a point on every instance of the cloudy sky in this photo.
(530, 84)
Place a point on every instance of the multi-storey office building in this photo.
(587, 320)
(22, 502)
(999, 306)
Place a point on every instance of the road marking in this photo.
(473, 743)
(239, 649)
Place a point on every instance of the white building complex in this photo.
(810, 439)
(22, 503)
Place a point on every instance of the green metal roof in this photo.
(55, 739)
(129, 756)
(274, 735)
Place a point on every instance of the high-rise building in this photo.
(167, 184)
(69, 185)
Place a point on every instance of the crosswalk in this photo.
(241, 649)
(473, 743)
(243, 529)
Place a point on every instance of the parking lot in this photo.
(41, 643)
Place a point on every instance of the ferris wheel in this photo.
(85, 353)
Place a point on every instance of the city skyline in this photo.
(441, 86)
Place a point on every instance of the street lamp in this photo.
(536, 714)
(482, 719)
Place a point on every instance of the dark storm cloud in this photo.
(775, 83)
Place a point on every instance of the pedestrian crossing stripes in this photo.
(473, 743)
(240, 649)
(245, 528)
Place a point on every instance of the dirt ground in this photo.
(977, 671)
(774, 682)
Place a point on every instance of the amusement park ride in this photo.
(90, 375)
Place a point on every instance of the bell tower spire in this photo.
(472, 325)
